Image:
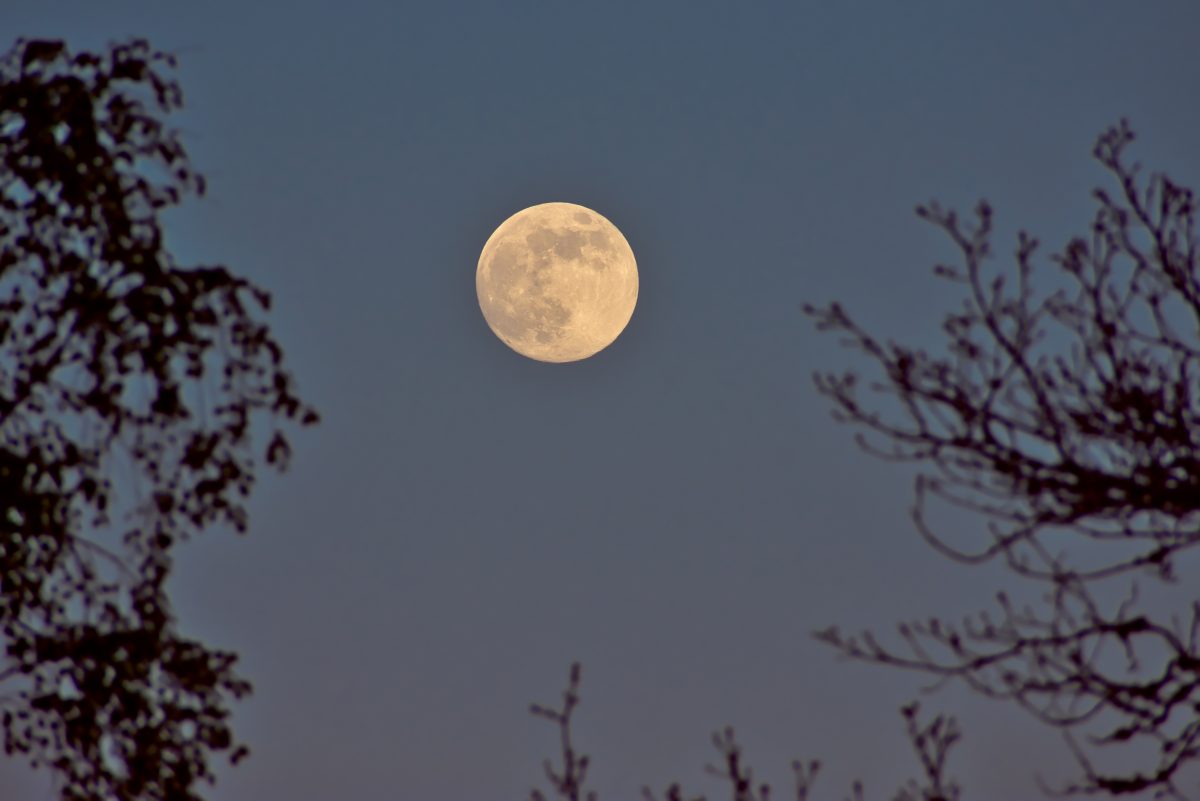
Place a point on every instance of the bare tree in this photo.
(128, 389)
(1068, 417)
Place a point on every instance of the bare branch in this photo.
(566, 782)
(1063, 416)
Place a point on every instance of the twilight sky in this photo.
(678, 512)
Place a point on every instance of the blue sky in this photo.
(678, 512)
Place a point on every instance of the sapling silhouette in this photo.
(932, 743)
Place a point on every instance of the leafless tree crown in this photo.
(1067, 417)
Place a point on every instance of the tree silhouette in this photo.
(1068, 416)
(128, 388)
(931, 741)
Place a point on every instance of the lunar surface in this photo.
(557, 282)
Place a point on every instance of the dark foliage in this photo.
(931, 741)
(127, 390)
(1069, 418)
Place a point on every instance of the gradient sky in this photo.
(678, 512)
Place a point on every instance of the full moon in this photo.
(557, 282)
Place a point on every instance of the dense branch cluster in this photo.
(128, 385)
(1069, 418)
